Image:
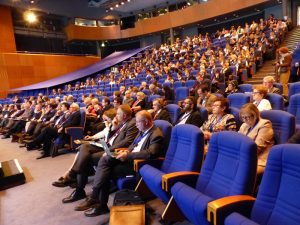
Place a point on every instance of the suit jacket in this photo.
(194, 119)
(126, 136)
(163, 115)
(263, 135)
(151, 147)
(72, 121)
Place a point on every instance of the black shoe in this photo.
(75, 196)
(88, 203)
(6, 136)
(64, 182)
(44, 155)
(96, 211)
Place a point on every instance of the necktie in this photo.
(138, 139)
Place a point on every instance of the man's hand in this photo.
(60, 130)
(87, 138)
(122, 155)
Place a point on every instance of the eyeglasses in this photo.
(214, 105)
(247, 117)
(255, 92)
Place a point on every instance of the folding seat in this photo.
(190, 83)
(283, 123)
(204, 113)
(237, 100)
(185, 153)
(276, 100)
(229, 169)
(177, 84)
(236, 113)
(245, 88)
(181, 93)
(294, 108)
(294, 88)
(278, 198)
(151, 98)
(174, 112)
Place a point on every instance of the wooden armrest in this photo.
(67, 128)
(218, 210)
(169, 178)
(121, 149)
(137, 163)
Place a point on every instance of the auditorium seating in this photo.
(237, 100)
(185, 153)
(294, 108)
(278, 197)
(229, 169)
(174, 111)
(130, 182)
(283, 124)
(276, 100)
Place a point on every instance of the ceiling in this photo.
(83, 9)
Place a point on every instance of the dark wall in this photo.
(54, 45)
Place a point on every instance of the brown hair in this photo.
(261, 89)
(250, 108)
(111, 113)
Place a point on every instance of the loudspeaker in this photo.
(11, 174)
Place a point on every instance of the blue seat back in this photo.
(278, 199)
(181, 93)
(166, 129)
(294, 88)
(236, 113)
(190, 83)
(204, 113)
(185, 151)
(276, 101)
(284, 124)
(229, 167)
(237, 100)
(245, 88)
(174, 112)
(294, 107)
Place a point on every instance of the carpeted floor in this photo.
(37, 202)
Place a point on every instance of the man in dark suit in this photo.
(46, 137)
(121, 135)
(159, 113)
(147, 145)
(190, 115)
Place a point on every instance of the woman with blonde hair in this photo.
(259, 130)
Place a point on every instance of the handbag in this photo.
(127, 197)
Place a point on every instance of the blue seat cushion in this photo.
(152, 177)
(238, 219)
(193, 205)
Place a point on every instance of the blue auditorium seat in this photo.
(229, 169)
(185, 153)
(278, 199)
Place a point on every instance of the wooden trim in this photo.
(167, 177)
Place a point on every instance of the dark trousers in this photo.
(46, 137)
(109, 168)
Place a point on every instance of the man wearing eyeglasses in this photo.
(147, 145)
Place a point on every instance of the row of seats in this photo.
(229, 169)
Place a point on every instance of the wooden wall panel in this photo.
(17, 70)
(178, 18)
(7, 36)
